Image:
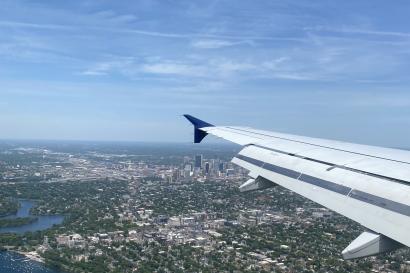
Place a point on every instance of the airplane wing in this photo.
(370, 185)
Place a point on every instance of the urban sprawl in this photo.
(172, 208)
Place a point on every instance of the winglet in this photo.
(198, 124)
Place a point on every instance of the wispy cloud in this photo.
(16, 24)
(98, 70)
(358, 30)
(176, 69)
(136, 31)
(217, 69)
(111, 16)
(115, 65)
(215, 44)
(214, 68)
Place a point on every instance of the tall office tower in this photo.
(188, 167)
(198, 161)
(212, 162)
(207, 168)
(221, 167)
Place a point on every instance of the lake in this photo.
(43, 222)
(11, 262)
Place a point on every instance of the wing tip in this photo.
(198, 123)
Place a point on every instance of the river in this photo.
(11, 262)
(43, 222)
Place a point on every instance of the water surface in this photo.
(11, 262)
(42, 223)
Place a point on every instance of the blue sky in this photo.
(128, 70)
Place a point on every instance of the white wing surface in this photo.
(370, 185)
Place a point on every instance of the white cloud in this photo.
(112, 17)
(101, 25)
(104, 68)
(98, 69)
(214, 68)
(33, 25)
(93, 72)
(294, 76)
(359, 30)
(226, 68)
(213, 44)
(218, 69)
(169, 68)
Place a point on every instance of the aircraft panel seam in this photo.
(331, 186)
(321, 146)
(333, 166)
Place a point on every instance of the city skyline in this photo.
(128, 71)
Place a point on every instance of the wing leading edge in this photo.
(370, 185)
